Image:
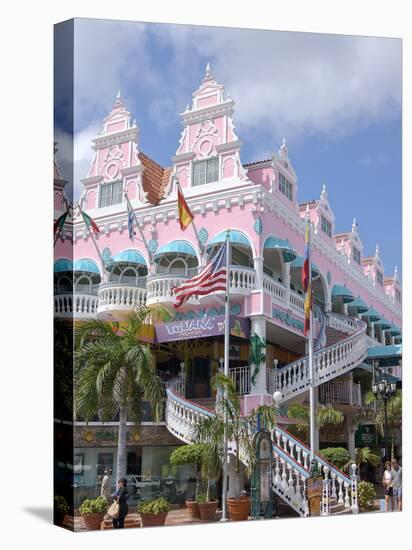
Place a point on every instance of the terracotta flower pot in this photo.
(93, 521)
(208, 510)
(193, 509)
(239, 508)
(59, 517)
(152, 520)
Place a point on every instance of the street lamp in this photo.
(384, 390)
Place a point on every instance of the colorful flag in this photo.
(58, 224)
(185, 215)
(130, 220)
(306, 260)
(211, 279)
(308, 308)
(91, 224)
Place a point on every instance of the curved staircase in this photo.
(346, 348)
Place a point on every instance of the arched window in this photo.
(64, 284)
(83, 285)
(178, 267)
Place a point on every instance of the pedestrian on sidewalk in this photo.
(396, 473)
(387, 486)
(121, 496)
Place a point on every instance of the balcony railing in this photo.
(160, 288)
(75, 305)
(281, 295)
(118, 298)
(241, 379)
(340, 392)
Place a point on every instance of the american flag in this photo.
(211, 279)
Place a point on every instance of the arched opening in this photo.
(177, 258)
(241, 252)
(129, 268)
(64, 284)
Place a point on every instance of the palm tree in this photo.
(228, 421)
(115, 372)
(326, 415)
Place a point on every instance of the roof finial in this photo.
(208, 73)
(283, 151)
(118, 94)
(377, 251)
(395, 273)
(307, 211)
(354, 225)
(323, 193)
(118, 102)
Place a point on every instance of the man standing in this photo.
(105, 490)
(396, 473)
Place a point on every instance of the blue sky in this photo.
(336, 99)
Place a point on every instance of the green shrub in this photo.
(60, 505)
(201, 498)
(187, 454)
(366, 494)
(155, 507)
(338, 456)
(93, 506)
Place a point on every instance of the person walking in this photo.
(121, 496)
(387, 486)
(105, 490)
(396, 473)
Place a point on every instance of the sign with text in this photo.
(201, 328)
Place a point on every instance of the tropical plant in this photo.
(366, 494)
(189, 454)
(115, 372)
(338, 456)
(230, 423)
(365, 455)
(155, 507)
(325, 415)
(61, 505)
(93, 506)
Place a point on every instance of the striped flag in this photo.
(211, 279)
(91, 224)
(59, 223)
(130, 220)
(185, 214)
(307, 279)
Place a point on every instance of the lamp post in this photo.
(384, 390)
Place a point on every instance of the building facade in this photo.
(357, 304)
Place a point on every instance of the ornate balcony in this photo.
(159, 289)
(117, 300)
(75, 306)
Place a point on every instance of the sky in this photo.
(336, 99)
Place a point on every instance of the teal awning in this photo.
(288, 253)
(380, 375)
(236, 237)
(372, 315)
(377, 352)
(358, 304)
(86, 265)
(179, 248)
(129, 257)
(62, 265)
(343, 292)
(394, 330)
(383, 324)
(298, 264)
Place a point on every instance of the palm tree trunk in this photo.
(121, 444)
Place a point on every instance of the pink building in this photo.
(259, 203)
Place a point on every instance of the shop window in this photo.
(104, 462)
(205, 171)
(356, 255)
(379, 277)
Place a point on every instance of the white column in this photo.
(373, 331)
(259, 328)
(286, 280)
(258, 265)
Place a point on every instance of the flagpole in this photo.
(138, 226)
(226, 373)
(312, 411)
(105, 271)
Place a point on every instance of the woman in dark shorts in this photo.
(387, 485)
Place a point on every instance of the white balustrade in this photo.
(118, 297)
(160, 288)
(275, 289)
(75, 305)
(242, 279)
(241, 379)
(297, 302)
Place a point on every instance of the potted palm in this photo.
(229, 424)
(210, 468)
(93, 511)
(153, 512)
(190, 455)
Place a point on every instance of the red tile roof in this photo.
(155, 179)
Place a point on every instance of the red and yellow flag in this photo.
(185, 215)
